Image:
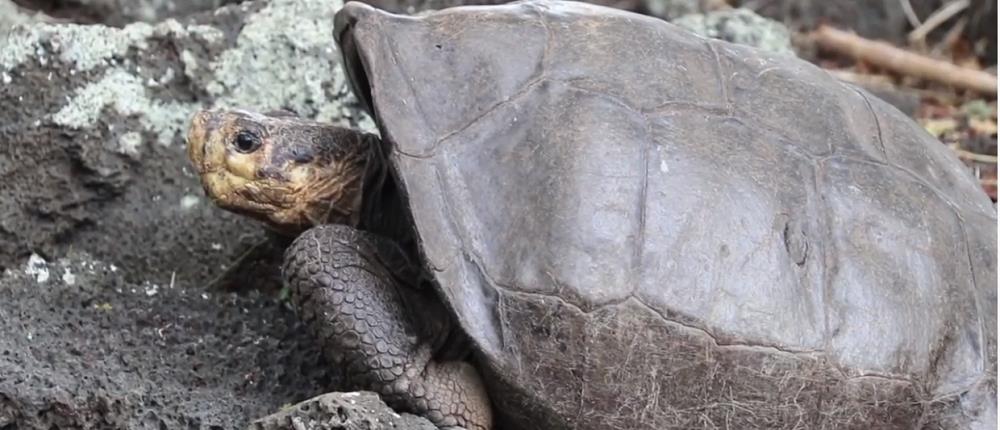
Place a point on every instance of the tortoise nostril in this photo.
(271, 172)
(302, 155)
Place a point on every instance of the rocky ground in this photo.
(110, 316)
(114, 311)
(83, 347)
(341, 411)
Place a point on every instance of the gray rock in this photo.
(740, 26)
(119, 12)
(11, 15)
(877, 19)
(107, 239)
(82, 347)
(673, 9)
(92, 121)
(122, 12)
(341, 411)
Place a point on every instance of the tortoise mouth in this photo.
(353, 61)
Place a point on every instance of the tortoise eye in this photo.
(246, 142)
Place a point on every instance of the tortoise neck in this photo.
(383, 209)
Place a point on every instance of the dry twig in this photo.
(904, 62)
(911, 15)
(940, 16)
(863, 79)
(981, 158)
(954, 34)
(886, 83)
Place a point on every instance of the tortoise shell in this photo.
(642, 228)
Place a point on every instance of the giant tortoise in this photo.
(578, 217)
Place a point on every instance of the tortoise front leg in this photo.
(367, 320)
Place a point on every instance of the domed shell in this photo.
(641, 227)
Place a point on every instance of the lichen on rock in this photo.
(739, 25)
(11, 15)
(673, 9)
(103, 96)
(93, 159)
(287, 41)
(82, 47)
(291, 42)
(126, 94)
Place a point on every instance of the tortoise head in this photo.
(288, 172)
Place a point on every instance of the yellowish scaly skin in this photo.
(286, 181)
(357, 291)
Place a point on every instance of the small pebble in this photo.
(189, 201)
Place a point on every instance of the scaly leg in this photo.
(350, 287)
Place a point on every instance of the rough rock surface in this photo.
(92, 160)
(82, 347)
(741, 26)
(92, 119)
(121, 12)
(673, 9)
(341, 411)
(11, 14)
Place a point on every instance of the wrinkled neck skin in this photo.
(383, 209)
(385, 212)
(313, 174)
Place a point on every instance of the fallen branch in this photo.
(982, 158)
(863, 79)
(904, 62)
(886, 83)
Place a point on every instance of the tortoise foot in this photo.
(350, 289)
